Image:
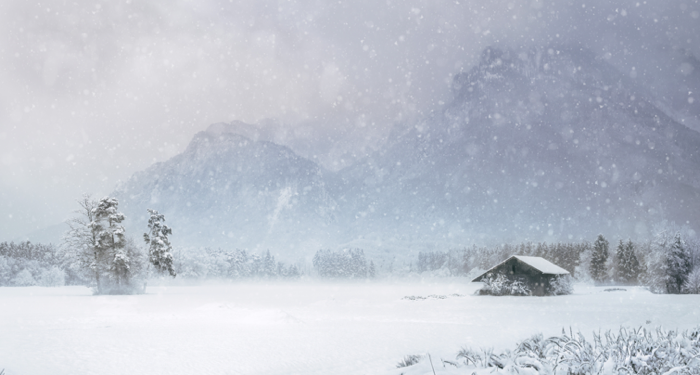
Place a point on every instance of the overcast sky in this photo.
(92, 91)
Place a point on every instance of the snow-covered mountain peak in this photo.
(226, 189)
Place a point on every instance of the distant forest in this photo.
(669, 263)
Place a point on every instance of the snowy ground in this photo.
(296, 328)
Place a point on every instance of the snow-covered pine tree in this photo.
(281, 270)
(268, 265)
(632, 266)
(358, 264)
(293, 271)
(110, 244)
(627, 266)
(678, 265)
(159, 248)
(371, 272)
(598, 259)
(618, 259)
(239, 265)
(668, 260)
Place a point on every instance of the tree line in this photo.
(347, 263)
(27, 264)
(200, 263)
(668, 263)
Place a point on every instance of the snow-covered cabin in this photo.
(535, 272)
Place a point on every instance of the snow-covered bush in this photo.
(561, 285)
(630, 351)
(518, 288)
(24, 278)
(52, 277)
(501, 285)
(494, 285)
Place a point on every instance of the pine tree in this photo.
(292, 272)
(239, 264)
(159, 248)
(598, 259)
(268, 265)
(358, 264)
(678, 265)
(632, 267)
(371, 272)
(110, 242)
(668, 261)
(619, 260)
(627, 265)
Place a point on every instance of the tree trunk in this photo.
(97, 275)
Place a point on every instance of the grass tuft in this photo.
(408, 360)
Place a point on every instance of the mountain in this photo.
(544, 144)
(228, 190)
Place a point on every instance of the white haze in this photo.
(91, 92)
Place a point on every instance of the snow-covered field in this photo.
(296, 328)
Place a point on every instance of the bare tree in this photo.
(80, 242)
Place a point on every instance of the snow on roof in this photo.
(538, 263)
(543, 265)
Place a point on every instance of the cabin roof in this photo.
(538, 263)
(543, 265)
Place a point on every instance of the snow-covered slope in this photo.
(546, 144)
